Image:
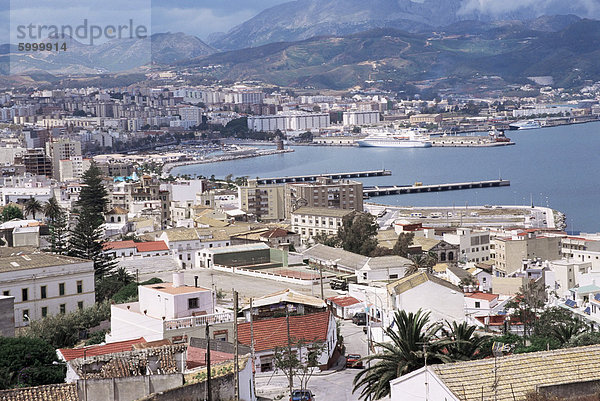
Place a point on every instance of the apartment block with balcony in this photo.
(324, 193)
(266, 202)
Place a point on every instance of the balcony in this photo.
(197, 321)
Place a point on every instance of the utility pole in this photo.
(208, 387)
(252, 349)
(321, 277)
(291, 377)
(236, 366)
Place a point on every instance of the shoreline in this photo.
(168, 167)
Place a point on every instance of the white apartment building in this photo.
(185, 243)
(352, 118)
(44, 284)
(72, 168)
(311, 221)
(162, 307)
(290, 121)
(474, 246)
(191, 113)
(62, 149)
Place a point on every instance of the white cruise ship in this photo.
(391, 138)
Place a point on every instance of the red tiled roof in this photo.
(274, 233)
(54, 392)
(119, 244)
(482, 295)
(95, 350)
(272, 333)
(344, 301)
(151, 246)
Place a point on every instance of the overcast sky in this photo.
(196, 17)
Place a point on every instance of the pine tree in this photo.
(93, 198)
(59, 233)
(86, 242)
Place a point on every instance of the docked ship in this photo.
(531, 124)
(391, 138)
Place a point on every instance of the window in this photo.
(192, 303)
(477, 304)
(43, 292)
(79, 287)
(24, 294)
(62, 308)
(44, 311)
(80, 305)
(6, 293)
(392, 276)
(61, 288)
(26, 315)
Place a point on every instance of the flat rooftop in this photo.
(169, 289)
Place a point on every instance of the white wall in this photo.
(129, 324)
(444, 303)
(412, 387)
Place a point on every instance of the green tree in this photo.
(65, 330)
(52, 209)
(404, 241)
(299, 365)
(462, 344)
(86, 242)
(358, 233)
(32, 206)
(26, 362)
(59, 233)
(11, 212)
(421, 262)
(93, 198)
(527, 305)
(329, 240)
(412, 340)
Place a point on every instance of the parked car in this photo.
(353, 361)
(359, 319)
(302, 395)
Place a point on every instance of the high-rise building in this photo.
(324, 193)
(62, 149)
(36, 162)
(266, 202)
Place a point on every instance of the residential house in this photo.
(569, 372)
(345, 306)
(509, 252)
(383, 268)
(186, 242)
(474, 245)
(275, 305)
(425, 291)
(271, 334)
(166, 311)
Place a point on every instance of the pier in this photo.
(414, 189)
(313, 177)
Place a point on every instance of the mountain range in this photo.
(564, 47)
(303, 19)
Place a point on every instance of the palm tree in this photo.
(52, 209)
(461, 342)
(412, 339)
(564, 332)
(421, 262)
(32, 206)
